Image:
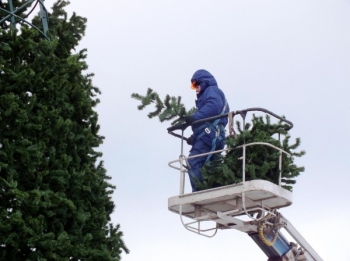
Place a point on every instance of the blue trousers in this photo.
(201, 146)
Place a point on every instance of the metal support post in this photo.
(280, 162)
(244, 153)
(182, 171)
(43, 16)
(13, 22)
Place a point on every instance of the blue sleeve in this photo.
(213, 105)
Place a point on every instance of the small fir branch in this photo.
(170, 109)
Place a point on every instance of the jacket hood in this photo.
(205, 78)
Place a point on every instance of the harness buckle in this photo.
(207, 130)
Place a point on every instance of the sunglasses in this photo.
(194, 85)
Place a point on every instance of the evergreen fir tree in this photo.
(55, 197)
(261, 161)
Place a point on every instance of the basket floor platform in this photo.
(257, 194)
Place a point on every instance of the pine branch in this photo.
(261, 161)
(170, 109)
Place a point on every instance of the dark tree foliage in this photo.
(55, 198)
(262, 162)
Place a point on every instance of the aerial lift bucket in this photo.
(228, 204)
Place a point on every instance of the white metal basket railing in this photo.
(182, 159)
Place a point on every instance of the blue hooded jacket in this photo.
(210, 101)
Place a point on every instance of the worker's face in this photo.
(196, 86)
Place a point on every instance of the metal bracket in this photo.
(198, 230)
(12, 14)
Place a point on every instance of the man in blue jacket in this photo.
(208, 136)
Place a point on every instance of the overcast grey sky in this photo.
(291, 57)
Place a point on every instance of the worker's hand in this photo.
(190, 140)
(189, 119)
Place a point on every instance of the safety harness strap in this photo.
(218, 130)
